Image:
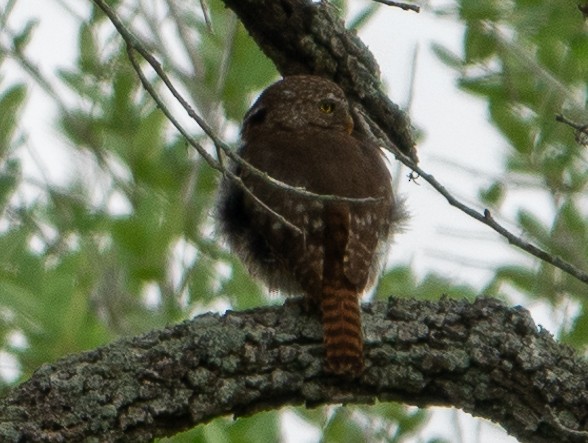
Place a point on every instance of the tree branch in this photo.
(134, 44)
(332, 55)
(484, 217)
(401, 5)
(581, 133)
(483, 357)
(303, 37)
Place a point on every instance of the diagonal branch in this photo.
(303, 37)
(134, 44)
(581, 133)
(485, 217)
(483, 357)
(401, 5)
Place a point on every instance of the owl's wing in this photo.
(361, 246)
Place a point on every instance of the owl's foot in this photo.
(306, 304)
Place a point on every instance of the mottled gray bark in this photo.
(304, 37)
(482, 357)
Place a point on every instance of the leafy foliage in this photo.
(127, 242)
(527, 60)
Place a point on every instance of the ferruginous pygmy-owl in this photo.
(299, 132)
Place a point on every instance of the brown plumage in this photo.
(299, 132)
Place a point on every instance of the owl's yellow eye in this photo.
(327, 107)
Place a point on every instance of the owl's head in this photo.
(299, 102)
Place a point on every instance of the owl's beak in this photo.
(349, 125)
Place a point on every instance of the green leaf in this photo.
(401, 282)
(570, 235)
(11, 101)
(479, 44)
(577, 335)
(493, 195)
(476, 10)
(362, 18)
(10, 178)
(245, 69)
(447, 56)
(22, 39)
(341, 428)
(534, 227)
(89, 60)
(513, 126)
(261, 427)
(521, 277)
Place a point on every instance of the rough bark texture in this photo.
(483, 357)
(302, 37)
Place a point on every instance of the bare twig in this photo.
(133, 44)
(484, 217)
(209, 159)
(563, 119)
(206, 12)
(581, 133)
(31, 69)
(584, 10)
(488, 220)
(185, 38)
(136, 45)
(225, 61)
(401, 5)
(413, 73)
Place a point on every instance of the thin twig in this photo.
(413, 74)
(401, 5)
(136, 45)
(484, 217)
(186, 40)
(581, 133)
(206, 13)
(563, 119)
(488, 220)
(29, 67)
(208, 158)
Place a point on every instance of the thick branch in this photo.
(304, 37)
(485, 358)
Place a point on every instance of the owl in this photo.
(300, 132)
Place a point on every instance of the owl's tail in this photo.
(342, 331)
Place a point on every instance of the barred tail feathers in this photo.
(343, 339)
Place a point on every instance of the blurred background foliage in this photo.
(127, 244)
(529, 61)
